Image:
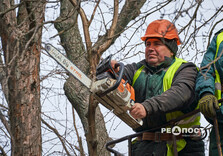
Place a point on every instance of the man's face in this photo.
(155, 52)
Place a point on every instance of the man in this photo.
(209, 87)
(164, 90)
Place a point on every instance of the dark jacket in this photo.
(205, 83)
(149, 90)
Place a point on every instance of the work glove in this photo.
(208, 105)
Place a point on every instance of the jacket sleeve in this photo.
(179, 97)
(206, 77)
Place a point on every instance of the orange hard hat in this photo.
(162, 29)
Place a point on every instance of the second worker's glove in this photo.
(208, 105)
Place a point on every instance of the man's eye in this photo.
(148, 44)
(158, 43)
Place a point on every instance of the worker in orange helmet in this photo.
(164, 90)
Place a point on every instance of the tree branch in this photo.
(5, 123)
(85, 23)
(111, 31)
(212, 30)
(78, 136)
(130, 11)
(212, 62)
(58, 135)
(10, 9)
(3, 152)
(95, 8)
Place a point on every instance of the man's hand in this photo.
(113, 62)
(138, 111)
(208, 104)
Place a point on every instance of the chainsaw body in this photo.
(120, 96)
(114, 92)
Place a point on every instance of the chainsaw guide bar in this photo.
(115, 100)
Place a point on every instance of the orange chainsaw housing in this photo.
(124, 85)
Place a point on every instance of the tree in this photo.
(104, 25)
(21, 34)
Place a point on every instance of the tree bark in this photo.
(21, 41)
(76, 93)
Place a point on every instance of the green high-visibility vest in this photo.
(217, 79)
(185, 123)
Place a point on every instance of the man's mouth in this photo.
(152, 55)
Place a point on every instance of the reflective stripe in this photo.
(217, 79)
(185, 123)
(168, 77)
(138, 72)
(190, 119)
(219, 40)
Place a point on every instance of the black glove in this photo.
(208, 104)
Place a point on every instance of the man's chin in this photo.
(153, 64)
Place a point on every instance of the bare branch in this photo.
(85, 23)
(58, 135)
(95, 8)
(193, 17)
(78, 136)
(5, 123)
(212, 62)
(111, 32)
(2, 151)
(11, 8)
(210, 34)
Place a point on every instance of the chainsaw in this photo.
(109, 88)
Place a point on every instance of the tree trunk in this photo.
(24, 103)
(76, 93)
(21, 41)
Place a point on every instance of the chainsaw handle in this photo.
(119, 79)
(104, 65)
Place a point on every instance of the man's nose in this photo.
(150, 48)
